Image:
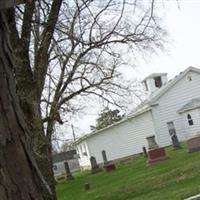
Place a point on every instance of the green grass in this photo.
(176, 178)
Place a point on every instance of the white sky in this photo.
(183, 25)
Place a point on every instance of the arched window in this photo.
(190, 121)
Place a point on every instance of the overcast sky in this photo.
(184, 30)
(182, 21)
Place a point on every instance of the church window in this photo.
(190, 120)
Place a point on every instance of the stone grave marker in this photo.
(155, 153)
(145, 152)
(68, 172)
(105, 160)
(193, 143)
(152, 142)
(108, 165)
(172, 133)
(87, 186)
(94, 166)
(175, 142)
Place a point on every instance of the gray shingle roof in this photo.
(64, 156)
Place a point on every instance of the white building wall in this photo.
(127, 138)
(84, 154)
(168, 105)
(151, 83)
(193, 130)
(122, 140)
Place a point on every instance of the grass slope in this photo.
(176, 178)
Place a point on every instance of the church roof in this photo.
(64, 156)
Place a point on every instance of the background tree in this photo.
(67, 50)
(20, 178)
(67, 146)
(107, 117)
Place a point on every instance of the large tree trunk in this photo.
(40, 143)
(30, 82)
(41, 146)
(43, 155)
(30, 104)
(20, 178)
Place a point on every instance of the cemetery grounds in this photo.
(173, 179)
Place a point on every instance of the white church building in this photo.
(173, 104)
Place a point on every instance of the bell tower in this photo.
(154, 81)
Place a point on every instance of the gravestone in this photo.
(144, 152)
(87, 186)
(172, 133)
(105, 160)
(155, 153)
(193, 143)
(93, 162)
(175, 142)
(68, 173)
(152, 142)
(108, 165)
(94, 166)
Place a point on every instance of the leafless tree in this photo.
(68, 49)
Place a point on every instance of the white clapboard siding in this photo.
(168, 105)
(129, 136)
(191, 131)
(84, 159)
(122, 140)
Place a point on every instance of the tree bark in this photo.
(26, 91)
(43, 155)
(20, 178)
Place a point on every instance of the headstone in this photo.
(152, 142)
(155, 153)
(94, 166)
(172, 133)
(144, 152)
(68, 173)
(87, 186)
(93, 162)
(108, 165)
(193, 143)
(175, 142)
(105, 160)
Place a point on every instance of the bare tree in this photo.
(85, 58)
(20, 178)
(68, 49)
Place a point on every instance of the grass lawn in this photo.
(176, 178)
